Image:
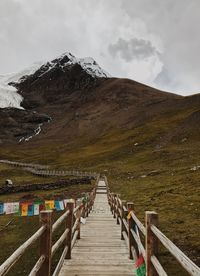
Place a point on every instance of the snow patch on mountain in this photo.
(8, 93)
(36, 132)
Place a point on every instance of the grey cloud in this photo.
(132, 38)
(176, 24)
(132, 49)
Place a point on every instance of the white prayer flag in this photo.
(83, 220)
(36, 209)
(15, 207)
(61, 205)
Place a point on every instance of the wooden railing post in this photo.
(133, 247)
(124, 216)
(151, 242)
(87, 205)
(79, 223)
(111, 202)
(46, 242)
(117, 208)
(83, 211)
(69, 224)
(114, 206)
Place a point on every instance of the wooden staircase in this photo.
(100, 251)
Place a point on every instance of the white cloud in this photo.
(167, 33)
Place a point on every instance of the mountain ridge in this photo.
(78, 103)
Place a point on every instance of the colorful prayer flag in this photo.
(83, 220)
(49, 204)
(57, 205)
(15, 207)
(42, 207)
(85, 200)
(140, 266)
(36, 210)
(30, 209)
(24, 209)
(129, 215)
(61, 205)
(8, 208)
(1, 208)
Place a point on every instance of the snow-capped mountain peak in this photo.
(88, 64)
(8, 93)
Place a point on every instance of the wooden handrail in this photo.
(45, 232)
(152, 235)
(138, 222)
(185, 262)
(60, 262)
(6, 266)
(59, 221)
(59, 242)
(158, 267)
(37, 266)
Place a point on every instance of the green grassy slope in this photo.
(149, 165)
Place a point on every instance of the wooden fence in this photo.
(47, 173)
(72, 219)
(132, 228)
(24, 165)
(42, 170)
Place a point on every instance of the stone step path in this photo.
(100, 251)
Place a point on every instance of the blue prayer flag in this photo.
(1, 208)
(57, 205)
(30, 210)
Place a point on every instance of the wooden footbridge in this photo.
(102, 236)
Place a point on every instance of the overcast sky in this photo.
(156, 42)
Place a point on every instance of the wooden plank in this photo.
(96, 268)
(84, 273)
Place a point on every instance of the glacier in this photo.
(8, 93)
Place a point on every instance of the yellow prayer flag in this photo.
(129, 215)
(49, 204)
(24, 209)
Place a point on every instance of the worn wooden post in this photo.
(114, 206)
(151, 242)
(111, 202)
(79, 223)
(46, 242)
(83, 211)
(90, 201)
(117, 208)
(133, 247)
(124, 215)
(87, 205)
(69, 224)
